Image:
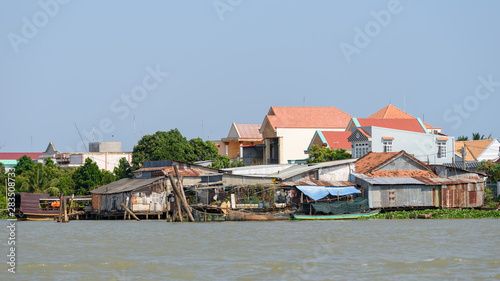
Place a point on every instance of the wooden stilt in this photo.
(130, 212)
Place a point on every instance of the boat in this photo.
(43, 207)
(333, 217)
(246, 216)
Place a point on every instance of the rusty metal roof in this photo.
(125, 185)
(317, 182)
(186, 172)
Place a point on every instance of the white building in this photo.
(287, 131)
(106, 155)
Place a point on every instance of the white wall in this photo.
(105, 161)
(491, 153)
(420, 145)
(337, 173)
(296, 141)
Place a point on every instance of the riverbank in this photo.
(440, 214)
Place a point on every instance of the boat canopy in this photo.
(316, 192)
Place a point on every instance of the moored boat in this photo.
(333, 217)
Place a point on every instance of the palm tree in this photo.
(477, 136)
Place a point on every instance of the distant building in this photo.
(331, 139)
(478, 150)
(426, 147)
(240, 136)
(287, 131)
(392, 112)
(9, 159)
(106, 155)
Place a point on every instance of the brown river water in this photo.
(280, 250)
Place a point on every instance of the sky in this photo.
(96, 68)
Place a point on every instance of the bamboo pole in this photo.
(59, 219)
(182, 200)
(66, 219)
(178, 206)
(174, 212)
(180, 186)
(130, 212)
(125, 213)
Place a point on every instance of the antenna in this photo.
(31, 143)
(81, 136)
(202, 129)
(404, 101)
(304, 101)
(93, 139)
(134, 130)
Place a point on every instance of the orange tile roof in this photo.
(363, 132)
(392, 112)
(474, 148)
(411, 125)
(307, 117)
(370, 162)
(249, 131)
(337, 140)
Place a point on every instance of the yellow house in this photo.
(240, 135)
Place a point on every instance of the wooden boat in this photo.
(244, 216)
(333, 217)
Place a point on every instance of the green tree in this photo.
(66, 183)
(123, 170)
(204, 150)
(161, 145)
(463, 138)
(492, 169)
(24, 164)
(107, 177)
(322, 154)
(87, 177)
(223, 162)
(477, 136)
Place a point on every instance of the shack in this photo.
(141, 196)
(397, 180)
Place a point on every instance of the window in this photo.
(360, 149)
(387, 145)
(441, 149)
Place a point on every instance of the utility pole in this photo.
(463, 157)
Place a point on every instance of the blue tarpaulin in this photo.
(318, 192)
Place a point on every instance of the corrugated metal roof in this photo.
(316, 182)
(125, 185)
(297, 170)
(459, 165)
(392, 181)
(441, 181)
(187, 172)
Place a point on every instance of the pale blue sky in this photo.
(72, 63)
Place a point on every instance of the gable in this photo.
(233, 132)
(267, 130)
(358, 135)
(402, 162)
(51, 150)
